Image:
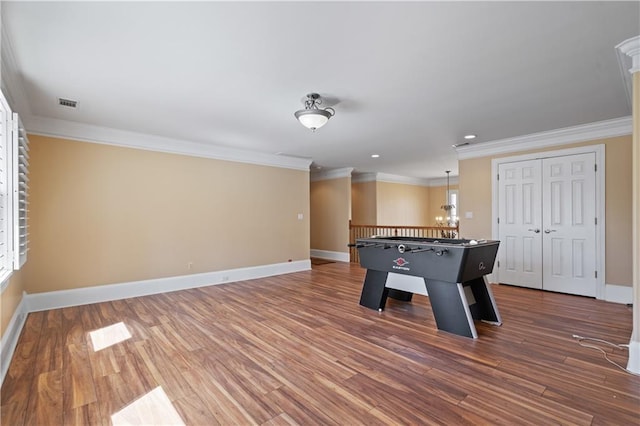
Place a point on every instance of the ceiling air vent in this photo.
(458, 145)
(67, 103)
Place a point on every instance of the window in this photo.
(453, 201)
(14, 186)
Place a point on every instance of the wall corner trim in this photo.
(104, 293)
(11, 335)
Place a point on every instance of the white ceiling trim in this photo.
(363, 177)
(453, 180)
(331, 174)
(389, 178)
(598, 130)
(108, 136)
(631, 47)
(625, 65)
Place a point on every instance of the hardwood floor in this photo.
(298, 349)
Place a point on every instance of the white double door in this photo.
(547, 224)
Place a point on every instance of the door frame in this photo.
(599, 151)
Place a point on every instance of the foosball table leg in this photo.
(374, 293)
(451, 308)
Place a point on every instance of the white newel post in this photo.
(631, 48)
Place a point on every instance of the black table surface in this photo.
(424, 241)
(451, 260)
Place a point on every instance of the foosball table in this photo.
(454, 273)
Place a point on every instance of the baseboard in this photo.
(104, 293)
(633, 365)
(618, 293)
(11, 335)
(331, 255)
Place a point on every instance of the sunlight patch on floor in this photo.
(154, 408)
(108, 336)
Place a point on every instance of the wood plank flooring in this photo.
(298, 349)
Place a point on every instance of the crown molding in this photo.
(385, 177)
(108, 136)
(331, 174)
(389, 178)
(628, 54)
(453, 180)
(363, 177)
(631, 47)
(592, 131)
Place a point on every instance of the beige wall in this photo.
(399, 204)
(9, 300)
(102, 214)
(363, 203)
(330, 213)
(475, 196)
(402, 204)
(618, 211)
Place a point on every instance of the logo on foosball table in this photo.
(400, 264)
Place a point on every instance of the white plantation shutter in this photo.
(14, 191)
(5, 198)
(20, 166)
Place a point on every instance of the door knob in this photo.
(537, 230)
(546, 231)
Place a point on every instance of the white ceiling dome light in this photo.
(312, 116)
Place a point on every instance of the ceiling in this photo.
(407, 80)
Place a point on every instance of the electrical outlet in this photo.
(224, 278)
(189, 265)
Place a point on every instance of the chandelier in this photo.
(312, 116)
(449, 220)
(447, 206)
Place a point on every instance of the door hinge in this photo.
(596, 274)
(498, 220)
(498, 263)
(498, 176)
(596, 220)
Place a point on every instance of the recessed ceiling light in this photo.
(375, 155)
(469, 136)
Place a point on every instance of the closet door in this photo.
(520, 223)
(569, 227)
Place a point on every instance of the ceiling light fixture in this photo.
(375, 155)
(447, 206)
(469, 137)
(312, 116)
